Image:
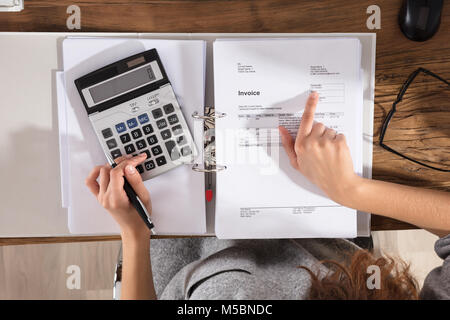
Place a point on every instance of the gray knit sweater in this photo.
(208, 268)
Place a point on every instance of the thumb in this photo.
(135, 180)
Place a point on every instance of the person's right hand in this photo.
(321, 155)
(111, 195)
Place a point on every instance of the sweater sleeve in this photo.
(437, 283)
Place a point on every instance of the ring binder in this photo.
(217, 115)
(214, 168)
(208, 168)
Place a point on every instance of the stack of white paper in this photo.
(178, 195)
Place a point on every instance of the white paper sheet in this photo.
(63, 145)
(260, 84)
(178, 195)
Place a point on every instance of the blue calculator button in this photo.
(120, 127)
(143, 118)
(132, 123)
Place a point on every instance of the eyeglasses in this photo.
(391, 113)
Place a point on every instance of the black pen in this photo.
(134, 199)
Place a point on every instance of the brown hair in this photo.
(349, 282)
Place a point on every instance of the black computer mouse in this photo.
(420, 19)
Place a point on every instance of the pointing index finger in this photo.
(308, 115)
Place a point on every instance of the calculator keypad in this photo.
(157, 132)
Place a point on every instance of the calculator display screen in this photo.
(123, 83)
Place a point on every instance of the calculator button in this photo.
(181, 140)
(170, 145)
(166, 134)
(147, 153)
(147, 129)
(161, 161)
(152, 140)
(136, 133)
(107, 133)
(168, 108)
(111, 143)
(157, 113)
(172, 150)
(143, 118)
(156, 150)
(129, 149)
(120, 127)
(132, 123)
(177, 129)
(141, 144)
(149, 165)
(185, 151)
(116, 153)
(125, 138)
(161, 123)
(172, 119)
(140, 169)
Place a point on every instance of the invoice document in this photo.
(261, 84)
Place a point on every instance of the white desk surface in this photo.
(30, 190)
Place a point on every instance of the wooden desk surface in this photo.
(422, 125)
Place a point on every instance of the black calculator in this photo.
(133, 109)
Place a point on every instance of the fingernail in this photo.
(314, 94)
(130, 169)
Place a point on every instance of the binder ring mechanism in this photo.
(210, 167)
(216, 115)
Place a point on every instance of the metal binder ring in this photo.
(214, 168)
(217, 115)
